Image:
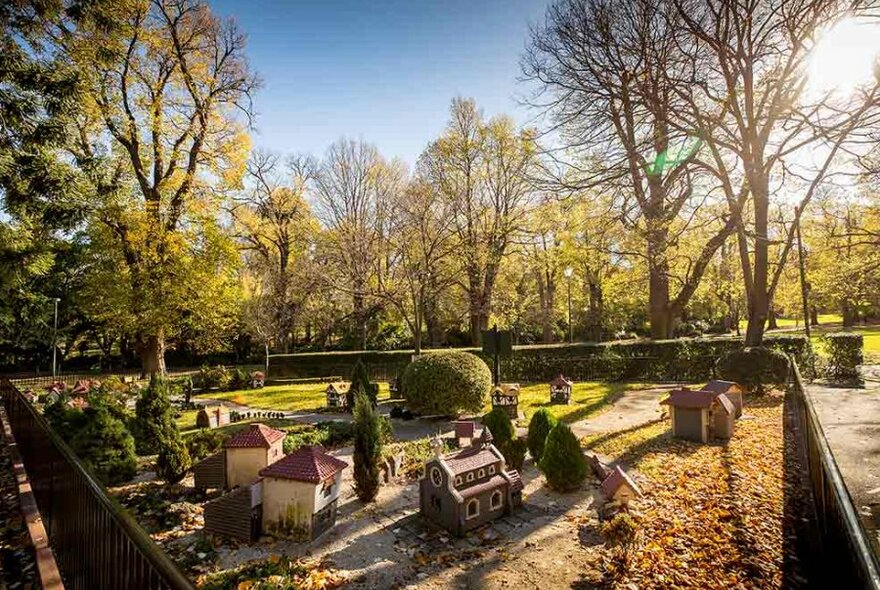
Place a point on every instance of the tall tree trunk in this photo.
(360, 320)
(659, 313)
(153, 354)
(771, 318)
(546, 296)
(759, 299)
(848, 312)
(595, 311)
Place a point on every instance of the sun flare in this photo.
(844, 57)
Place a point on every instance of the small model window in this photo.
(327, 486)
(481, 473)
(491, 470)
(435, 503)
(495, 500)
(458, 480)
(473, 508)
(470, 476)
(436, 476)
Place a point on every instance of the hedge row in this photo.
(683, 359)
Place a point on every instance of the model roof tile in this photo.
(615, 479)
(718, 386)
(309, 464)
(687, 398)
(471, 458)
(258, 435)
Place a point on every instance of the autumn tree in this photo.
(605, 72)
(276, 229)
(745, 96)
(166, 83)
(353, 188)
(484, 169)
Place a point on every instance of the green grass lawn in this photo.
(870, 334)
(295, 397)
(824, 318)
(587, 398)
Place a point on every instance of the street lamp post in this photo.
(568, 272)
(55, 341)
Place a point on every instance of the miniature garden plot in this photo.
(712, 514)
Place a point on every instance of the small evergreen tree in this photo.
(153, 421)
(360, 383)
(563, 461)
(103, 443)
(367, 448)
(499, 424)
(540, 425)
(174, 459)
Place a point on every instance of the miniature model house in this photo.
(300, 492)
(506, 397)
(468, 488)
(733, 391)
(336, 394)
(465, 432)
(560, 390)
(249, 451)
(698, 416)
(212, 416)
(619, 487)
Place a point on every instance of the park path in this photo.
(633, 408)
(850, 418)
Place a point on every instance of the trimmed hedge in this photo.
(563, 463)
(683, 359)
(756, 368)
(446, 384)
(845, 354)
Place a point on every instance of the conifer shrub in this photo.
(499, 423)
(756, 368)
(204, 442)
(367, 448)
(562, 461)
(98, 436)
(153, 420)
(446, 383)
(515, 453)
(540, 425)
(360, 383)
(173, 461)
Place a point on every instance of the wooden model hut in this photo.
(619, 487)
(238, 514)
(699, 416)
(336, 394)
(733, 391)
(213, 416)
(301, 492)
(468, 488)
(506, 397)
(560, 390)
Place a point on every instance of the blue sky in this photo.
(384, 71)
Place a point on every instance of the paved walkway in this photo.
(850, 418)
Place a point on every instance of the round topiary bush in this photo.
(844, 355)
(446, 383)
(563, 462)
(540, 425)
(756, 368)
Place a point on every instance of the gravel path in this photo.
(634, 408)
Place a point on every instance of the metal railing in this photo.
(97, 544)
(840, 541)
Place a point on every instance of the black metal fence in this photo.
(844, 556)
(97, 545)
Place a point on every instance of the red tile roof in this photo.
(615, 479)
(258, 435)
(309, 464)
(470, 458)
